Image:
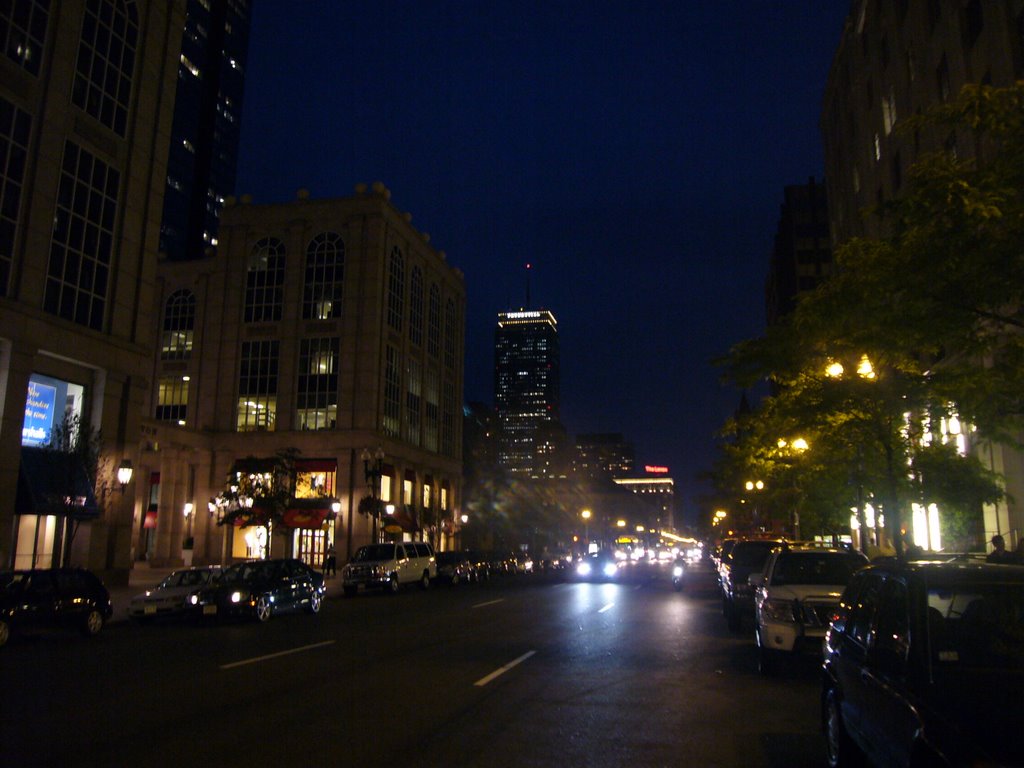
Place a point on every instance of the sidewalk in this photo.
(143, 577)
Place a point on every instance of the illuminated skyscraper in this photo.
(203, 154)
(526, 391)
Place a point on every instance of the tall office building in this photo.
(896, 60)
(86, 101)
(603, 455)
(203, 155)
(801, 256)
(526, 392)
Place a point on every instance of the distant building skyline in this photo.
(202, 159)
(527, 390)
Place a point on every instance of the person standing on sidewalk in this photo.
(330, 560)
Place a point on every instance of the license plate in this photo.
(209, 609)
(149, 609)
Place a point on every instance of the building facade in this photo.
(203, 155)
(603, 455)
(802, 253)
(330, 328)
(86, 99)
(896, 60)
(526, 392)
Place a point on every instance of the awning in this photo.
(308, 513)
(54, 483)
(401, 521)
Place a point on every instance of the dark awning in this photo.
(54, 483)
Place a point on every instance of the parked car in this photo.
(53, 598)
(171, 597)
(455, 567)
(924, 665)
(261, 588)
(390, 566)
(796, 596)
(747, 556)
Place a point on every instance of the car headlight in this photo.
(193, 599)
(779, 610)
(583, 569)
(610, 569)
(237, 596)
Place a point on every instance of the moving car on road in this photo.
(261, 588)
(597, 566)
(171, 597)
(796, 595)
(52, 598)
(924, 665)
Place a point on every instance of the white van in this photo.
(389, 566)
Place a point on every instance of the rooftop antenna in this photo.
(528, 268)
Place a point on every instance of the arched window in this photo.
(179, 322)
(106, 61)
(264, 286)
(434, 321)
(396, 289)
(325, 272)
(23, 32)
(416, 307)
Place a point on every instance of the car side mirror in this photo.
(755, 580)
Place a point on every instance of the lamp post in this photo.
(585, 514)
(373, 469)
(753, 486)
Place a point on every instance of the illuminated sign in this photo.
(655, 470)
(35, 430)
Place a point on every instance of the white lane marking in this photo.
(498, 672)
(258, 659)
(489, 602)
(607, 608)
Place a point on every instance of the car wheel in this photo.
(264, 609)
(425, 580)
(350, 591)
(393, 584)
(5, 633)
(315, 603)
(840, 749)
(92, 623)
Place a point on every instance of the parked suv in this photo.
(50, 598)
(924, 665)
(795, 597)
(747, 556)
(389, 566)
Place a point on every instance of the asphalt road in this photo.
(522, 671)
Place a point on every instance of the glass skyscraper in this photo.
(526, 390)
(203, 157)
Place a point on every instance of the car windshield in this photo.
(977, 625)
(187, 578)
(752, 553)
(248, 572)
(815, 568)
(13, 582)
(374, 552)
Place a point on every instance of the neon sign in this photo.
(651, 470)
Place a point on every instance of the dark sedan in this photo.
(261, 588)
(52, 598)
(924, 665)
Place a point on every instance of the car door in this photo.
(39, 608)
(890, 718)
(851, 655)
(302, 582)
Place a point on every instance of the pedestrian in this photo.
(998, 553)
(330, 560)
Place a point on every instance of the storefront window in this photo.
(49, 402)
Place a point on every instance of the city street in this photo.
(520, 671)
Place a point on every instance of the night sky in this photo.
(634, 153)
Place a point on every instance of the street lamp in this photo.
(124, 474)
(585, 514)
(373, 469)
